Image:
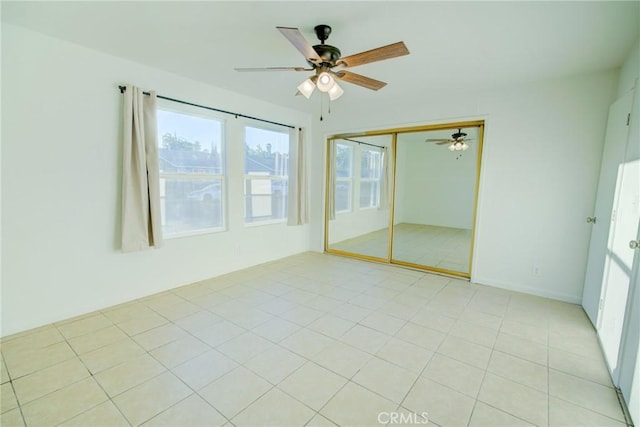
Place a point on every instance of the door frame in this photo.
(628, 335)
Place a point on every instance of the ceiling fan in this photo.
(328, 64)
(457, 142)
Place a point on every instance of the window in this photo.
(370, 175)
(266, 168)
(192, 175)
(344, 177)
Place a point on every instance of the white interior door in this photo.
(619, 261)
(613, 155)
(629, 363)
(629, 371)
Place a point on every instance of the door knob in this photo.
(591, 220)
(634, 244)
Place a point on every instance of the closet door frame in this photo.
(393, 132)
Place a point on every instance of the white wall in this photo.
(432, 186)
(350, 225)
(61, 186)
(630, 70)
(541, 158)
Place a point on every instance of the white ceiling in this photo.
(455, 46)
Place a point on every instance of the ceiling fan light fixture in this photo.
(458, 146)
(306, 88)
(335, 92)
(325, 82)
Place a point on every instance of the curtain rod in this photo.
(124, 88)
(365, 143)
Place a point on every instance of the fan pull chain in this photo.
(322, 106)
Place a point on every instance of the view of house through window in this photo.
(192, 175)
(266, 164)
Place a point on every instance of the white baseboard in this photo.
(527, 290)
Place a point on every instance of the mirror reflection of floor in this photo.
(434, 246)
(372, 244)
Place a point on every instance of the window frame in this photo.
(222, 177)
(246, 177)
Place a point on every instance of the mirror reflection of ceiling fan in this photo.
(328, 64)
(457, 142)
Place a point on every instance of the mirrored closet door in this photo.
(435, 198)
(358, 203)
(405, 196)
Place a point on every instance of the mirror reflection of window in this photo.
(344, 175)
(370, 177)
(358, 215)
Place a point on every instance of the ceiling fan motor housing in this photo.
(459, 135)
(329, 54)
(322, 32)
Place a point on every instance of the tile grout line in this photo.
(325, 312)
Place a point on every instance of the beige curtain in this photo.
(298, 187)
(332, 180)
(385, 182)
(141, 220)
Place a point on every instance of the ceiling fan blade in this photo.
(445, 142)
(442, 140)
(296, 38)
(274, 69)
(385, 52)
(360, 80)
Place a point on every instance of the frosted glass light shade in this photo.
(458, 146)
(325, 82)
(306, 88)
(335, 92)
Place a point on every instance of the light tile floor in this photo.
(314, 340)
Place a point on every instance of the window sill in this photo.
(194, 233)
(267, 222)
